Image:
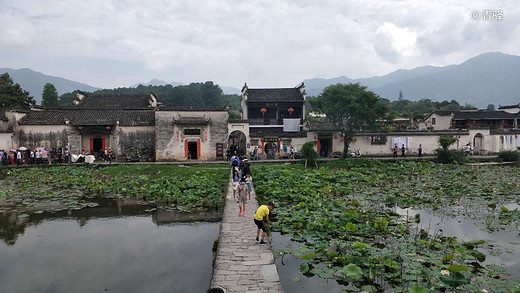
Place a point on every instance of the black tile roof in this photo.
(274, 95)
(114, 102)
(192, 121)
(483, 115)
(89, 117)
(509, 106)
(190, 108)
(255, 132)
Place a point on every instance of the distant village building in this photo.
(272, 121)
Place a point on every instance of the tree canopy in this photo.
(350, 107)
(49, 95)
(12, 96)
(205, 94)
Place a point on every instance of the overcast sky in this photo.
(266, 43)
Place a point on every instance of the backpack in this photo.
(245, 169)
(234, 162)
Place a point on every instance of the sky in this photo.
(266, 43)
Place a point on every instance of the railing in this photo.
(266, 121)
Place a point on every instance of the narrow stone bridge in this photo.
(242, 265)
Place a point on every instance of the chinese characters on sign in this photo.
(487, 15)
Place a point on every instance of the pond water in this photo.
(505, 250)
(116, 247)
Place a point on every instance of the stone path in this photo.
(242, 265)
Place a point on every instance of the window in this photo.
(191, 131)
(433, 121)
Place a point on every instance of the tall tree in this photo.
(12, 96)
(350, 107)
(49, 95)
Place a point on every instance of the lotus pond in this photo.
(364, 225)
(139, 228)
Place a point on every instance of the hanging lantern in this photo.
(454, 122)
(80, 127)
(251, 139)
(290, 139)
(263, 110)
(355, 139)
(107, 128)
(473, 121)
(503, 121)
(426, 124)
(393, 124)
(382, 124)
(315, 137)
(290, 110)
(342, 139)
(335, 137)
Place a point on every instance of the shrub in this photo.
(509, 156)
(309, 154)
(446, 156)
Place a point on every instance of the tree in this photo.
(350, 107)
(49, 95)
(309, 154)
(491, 107)
(12, 96)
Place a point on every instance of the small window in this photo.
(433, 121)
(191, 131)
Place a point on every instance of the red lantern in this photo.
(335, 137)
(290, 110)
(382, 124)
(454, 122)
(80, 127)
(263, 110)
(426, 124)
(315, 137)
(355, 139)
(473, 121)
(502, 121)
(290, 139)
(342, 139)
(393, 124)
(251, 139)
(107, 128)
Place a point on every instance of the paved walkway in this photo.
(242, 265)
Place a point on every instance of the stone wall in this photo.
(35, 139)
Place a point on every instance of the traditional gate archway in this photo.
(478, 143)
(237, 142)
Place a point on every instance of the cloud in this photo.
(267, 43)
(393, 42)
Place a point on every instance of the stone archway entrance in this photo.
(478, 144)
(237, 142)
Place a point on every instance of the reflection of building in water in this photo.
(13, 223)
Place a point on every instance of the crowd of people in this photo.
(242, 187)
(36, 156)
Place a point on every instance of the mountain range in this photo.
(490, 78)
(33, 82)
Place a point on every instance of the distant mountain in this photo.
(33, 82)
(490, 78)
(156, 82)
(229, 90)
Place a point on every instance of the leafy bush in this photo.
(450, 156)
(509, 156)
(446, 156)
(309, 154)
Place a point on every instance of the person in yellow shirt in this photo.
(261, 212)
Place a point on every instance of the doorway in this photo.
(192, 150)
(325, 147)
(97, 144)
(478, 144)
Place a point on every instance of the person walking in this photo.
(255, 154)
(420, 150)
(19, 158)
(403, 149)
(242, 196)
(261, 213)
(395, 151)
(234, 184)
(249, 180)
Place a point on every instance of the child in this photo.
(261, 212)
(236, 179)
(242, 196)
(248, 183)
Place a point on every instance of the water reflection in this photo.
(506, 252)
(117, 247)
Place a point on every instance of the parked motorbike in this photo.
(355, 154)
